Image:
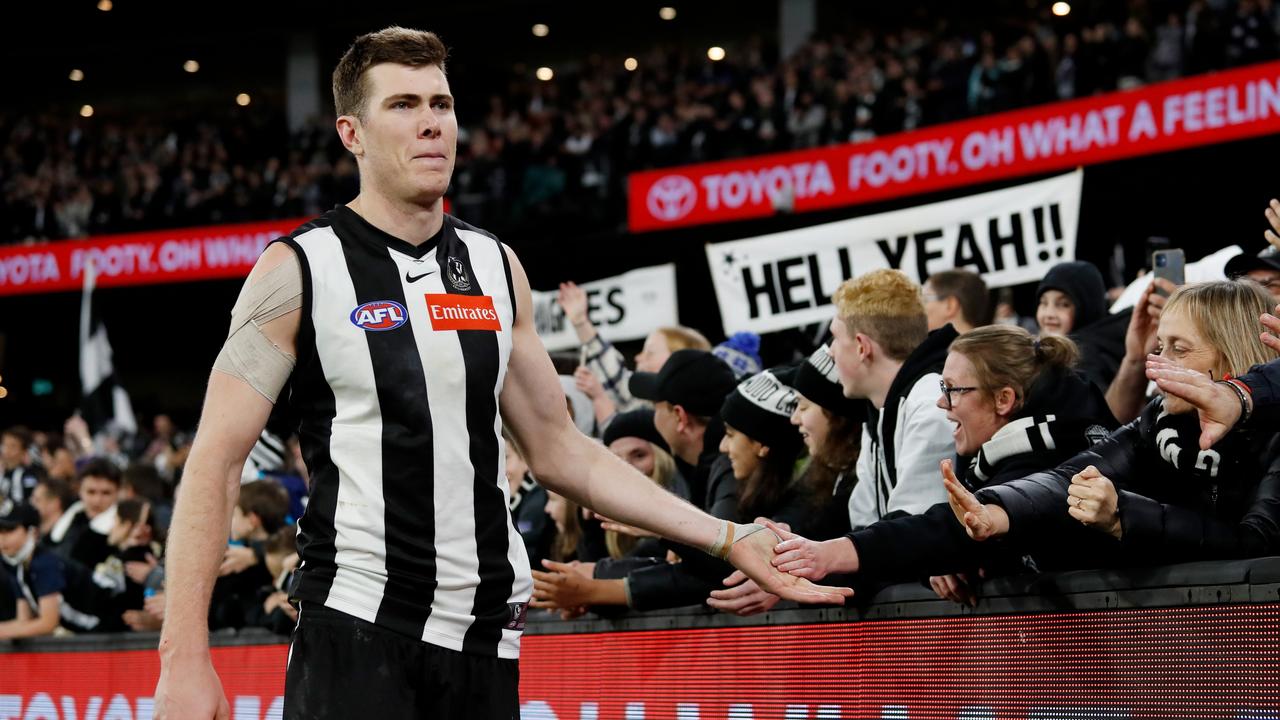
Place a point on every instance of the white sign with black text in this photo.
(786, 279)
(626, 307)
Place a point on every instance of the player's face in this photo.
(409, 136)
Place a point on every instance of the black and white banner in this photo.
(104, 404)
(786, 279)
(626, 307)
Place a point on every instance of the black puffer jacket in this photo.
(934, 543)
(1176, 503)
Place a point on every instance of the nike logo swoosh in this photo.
(416, 278)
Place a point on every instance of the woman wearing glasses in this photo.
(1152, 485)
(1017, 407)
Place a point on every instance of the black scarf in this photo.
(1176, 440)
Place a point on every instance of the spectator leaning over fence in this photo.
(610, 391)
(1018, 407)
(958, 297)
(632, 437)
(1156, 484)
(36, 578)
(830, 426)
(762, 446)
(884, 354)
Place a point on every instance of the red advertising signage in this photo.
(1206, 662)
(208, 253)
(120, 685)
(1166, 116)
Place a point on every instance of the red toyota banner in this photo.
(206, 253)
(1200, 662)
(1166, 116)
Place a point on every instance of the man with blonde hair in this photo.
(885, 354)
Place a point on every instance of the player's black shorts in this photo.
(343, 668)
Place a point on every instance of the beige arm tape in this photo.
(248, 354)
(730, 533)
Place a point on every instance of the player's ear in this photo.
(349, 131)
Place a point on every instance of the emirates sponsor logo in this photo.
(462, 312)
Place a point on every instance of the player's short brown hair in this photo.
(884, 305)
(403, 46)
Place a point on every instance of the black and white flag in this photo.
(104, 404)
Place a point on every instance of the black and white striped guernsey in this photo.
(402, 352)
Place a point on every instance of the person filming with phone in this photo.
(1128, 392)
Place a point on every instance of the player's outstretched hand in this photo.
(753, 555)
(1217, 406)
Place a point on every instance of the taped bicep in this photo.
(249, 352)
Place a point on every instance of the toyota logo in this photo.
(672, 197)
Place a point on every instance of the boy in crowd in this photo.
(885, 354)
(35, 577)
(959, 297)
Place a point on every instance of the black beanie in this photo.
(1081, 282)
(761, 406)
(636, 424)
(818, 380)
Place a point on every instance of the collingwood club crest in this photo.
(458, 275)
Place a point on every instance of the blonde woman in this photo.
(1153, 485)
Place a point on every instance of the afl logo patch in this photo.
(379, 315)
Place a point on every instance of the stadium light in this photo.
(715, 53)
(667, 13)
(191, 66)
(1061, 9)
(243, 99)
(76, 75)
(541, 30)
(631, 64)
(105, 5)
(86, 111)
(545, 74)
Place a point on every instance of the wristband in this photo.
(1245, 410)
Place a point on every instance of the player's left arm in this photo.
(572, 464)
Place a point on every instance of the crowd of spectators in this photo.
(84, 518)
(547, 149)
(931, 421)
